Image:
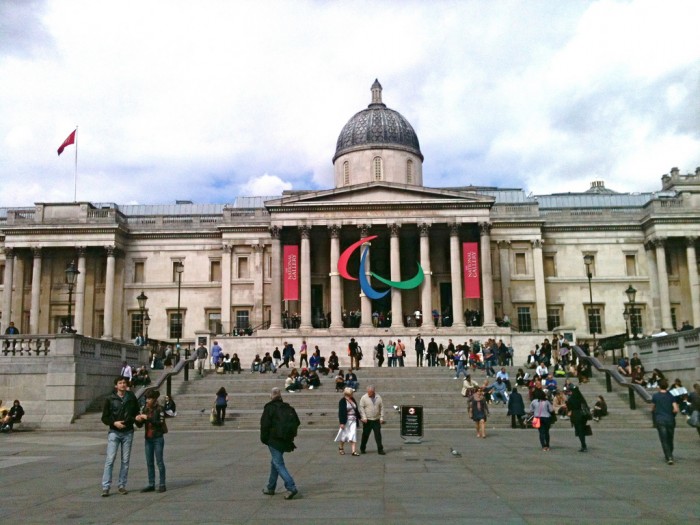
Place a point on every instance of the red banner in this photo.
(470, 261)
(290, 268)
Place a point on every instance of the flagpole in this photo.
(75, 190)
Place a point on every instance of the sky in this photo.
(210, 100)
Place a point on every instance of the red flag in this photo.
(70, 140)
(291, 272)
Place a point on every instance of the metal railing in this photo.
(167, 378)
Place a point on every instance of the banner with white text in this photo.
(470, 261)
(291, 272)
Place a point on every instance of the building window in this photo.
(214, 322)
(242, 319)
(2, 274)
(671, 262)
(215, 271)
(175, 321)
(243, 272)
(550, 267)
(268, 269)
(346, 173)
(377, 168)
(524, 319)
(553, 317)
(176, 265)
(409, 171)
(99, 324)
(520, 264)
(138, 271)
(674, 321)
(136, 325)
(631, 265)
(595, 320)
(100, 272)
(636, 325)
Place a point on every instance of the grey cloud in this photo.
(23, 32)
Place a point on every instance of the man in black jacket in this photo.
(119, 414)
(278, 426)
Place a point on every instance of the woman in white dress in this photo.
(347, 416)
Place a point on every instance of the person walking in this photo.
(478, 412)
(580, 414)
(201, 353)
(119, 413)
(278, 428)
(542, 410)
(516, 408)
(348, 414)
(380, 352)
(664, 409)
(420, 350)
(372, 417)
(303, 354)
(220, 404)
(153, 417)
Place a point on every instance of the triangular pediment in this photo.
(383, 194)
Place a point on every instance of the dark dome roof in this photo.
(377, 127)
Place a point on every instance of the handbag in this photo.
(588, 430)
(552, 418)
(212, 416)
(536, 423)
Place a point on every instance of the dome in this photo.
(377, 127)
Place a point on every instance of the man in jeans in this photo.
(202, 354)
(664, 409)
(119, 414)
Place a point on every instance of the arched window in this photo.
(346, 173)
(409, 171)
(377, 168)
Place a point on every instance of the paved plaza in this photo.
(216, 476)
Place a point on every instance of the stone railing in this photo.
(676, 355)
(25, 345)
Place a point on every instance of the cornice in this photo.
(591, 227)
(385, 206)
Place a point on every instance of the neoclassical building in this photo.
(526, 255)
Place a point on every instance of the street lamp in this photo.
(588, 261)
(142, 306)
(179, 268)
(146, 322)
(626, 315)
(71, 275)
(631, 296)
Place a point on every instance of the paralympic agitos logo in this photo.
(365, 285)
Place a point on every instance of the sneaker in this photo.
(161, 488)
(105, 493)
(291, 494)
(268, 492)
(311, 387)
(150, 488)
(123, 491)
(670, 461)
(381, 453)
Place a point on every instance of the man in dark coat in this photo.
(516, 408)
(271, 434)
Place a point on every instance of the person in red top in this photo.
(153, 417)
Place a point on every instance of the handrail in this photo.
(632, 388)
(167, 377)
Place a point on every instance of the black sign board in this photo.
(411, 421)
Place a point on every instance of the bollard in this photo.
(633, 402)
(168, 387)
(608, 383)
(187, 371)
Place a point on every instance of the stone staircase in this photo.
(432, 387)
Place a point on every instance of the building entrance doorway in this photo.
(446, 316)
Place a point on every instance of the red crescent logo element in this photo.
(345, 257)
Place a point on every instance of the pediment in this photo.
(384, 194)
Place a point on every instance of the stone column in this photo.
(109, 293)
(693, 280)
(80, 292)
(226, 288)
(655, 310)
(664, 297)
(456, 276)
(276, 300)
(426, 287)
(395, 263)
(336, 302)
(305, 280)
(365, 302)
(36, 292)
(504, 261)
(258, 252)
(8, 277)
(540, 293)
(488, 314)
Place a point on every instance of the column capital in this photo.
(111, 251)
(364, 229)
(334, 230)
(657, 242)
(80, 251)
(424, 229)
(275, 232)
(305, 231)
(690, 241)
(503, 244)
(485, 228)
(258, 247)
(537, 243)
(454, 229)
(394, 229)
(226, 248)
(9, 252)
(36, 252)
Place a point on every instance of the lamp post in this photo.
(142, 306)
(146, 322)
(631, 296)
(626, 315)
(588, 261)
(71, 275)
(179, 268)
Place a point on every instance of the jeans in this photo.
(277, 468)
(220, 413)
(666, 431)
(154, 450)
(114, 439)
(460, 369)
(544, 432)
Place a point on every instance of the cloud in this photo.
(264, 185)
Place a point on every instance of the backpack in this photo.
(285, 423)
